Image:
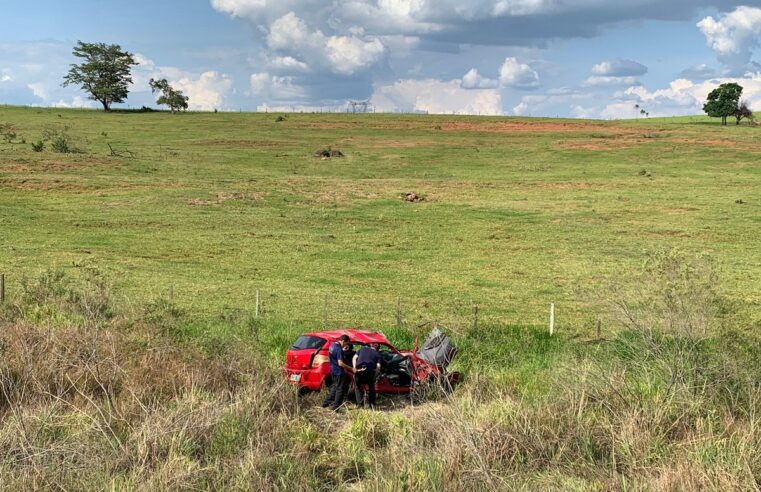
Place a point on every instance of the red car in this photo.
(308, 367)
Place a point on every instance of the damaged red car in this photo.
(307, 365)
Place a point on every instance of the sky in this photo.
(568, 58)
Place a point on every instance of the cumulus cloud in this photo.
(207, 90)
(681, 97)
(734, 35)
(435, 97)
(269, 87)
(342, 55)
(288, 64)
(552, 100)
(518, 75)
(619, 68)
(474, 80)
(699, 72)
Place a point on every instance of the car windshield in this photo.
(305, 342)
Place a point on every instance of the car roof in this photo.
(356, 336)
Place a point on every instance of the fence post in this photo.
(257, 303)
(2, 288)
(325, 313)
(599, 328)
(552, 319)
(475, 316)
(398, 312)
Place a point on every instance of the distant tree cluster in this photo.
(105, 74)
(724, 102)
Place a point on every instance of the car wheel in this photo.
(303, 391)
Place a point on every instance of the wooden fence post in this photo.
(475, 316)
(2, 288)
(325, 313)
(257, 303)
(398, 312)
(552, 319)
(599, 328)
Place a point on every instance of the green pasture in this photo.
(207, 208)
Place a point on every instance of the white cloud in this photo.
(75, 102)
(206, 91)
(518, 75)
(604, 81)
(435, 97)
(474, 80)
(619, 68)
(683, 96)
(344, 55)
(268, 87)
(734, 35)
(620, 110)
(288, 64)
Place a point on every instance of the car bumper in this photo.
(304, 378)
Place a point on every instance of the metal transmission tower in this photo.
(361, 107)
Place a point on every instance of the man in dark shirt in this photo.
(367, 364)
(340, 380)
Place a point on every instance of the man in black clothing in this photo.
(366, 365)
(340, 380)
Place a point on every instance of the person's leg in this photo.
(342, 383)
(371, 387)
(358, 393)
(331, 393)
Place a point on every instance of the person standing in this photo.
(367, 365)
(340, 379)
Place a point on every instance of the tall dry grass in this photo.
(94, 398)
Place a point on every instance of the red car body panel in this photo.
(309, 368)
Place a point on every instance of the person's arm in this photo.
(354, 361)
(344, 365)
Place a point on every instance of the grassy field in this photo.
(161, 248)
(519, 213)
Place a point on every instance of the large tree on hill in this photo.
(105, 72)
(170, 96)
(723, 101)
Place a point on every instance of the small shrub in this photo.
(38, 146)
(61, 145)
(61, 140)
(8, 132)
(281, 118)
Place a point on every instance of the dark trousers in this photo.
(366, 377)
(337, 392)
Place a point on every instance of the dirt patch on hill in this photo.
(43, 185)
(518, 127)
(57, 165)
(564, 186)
(614, 143)
(710, 142)
(224, 196)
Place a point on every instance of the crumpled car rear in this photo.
(437, 349)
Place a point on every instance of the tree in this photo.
(170, 96)
(723, 101)
(105, 73)
(743, 111)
